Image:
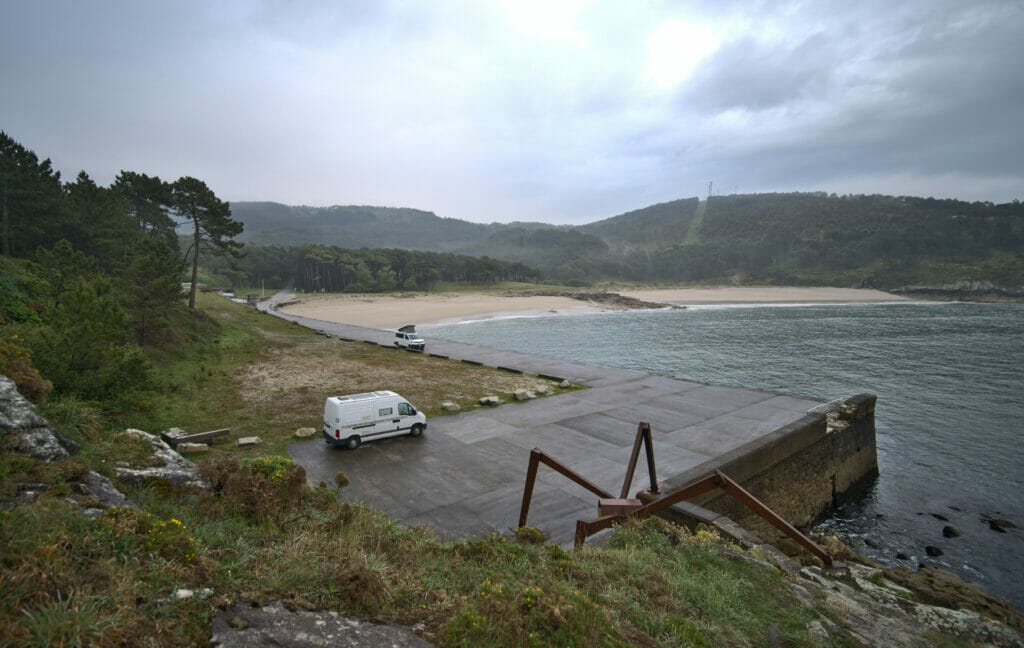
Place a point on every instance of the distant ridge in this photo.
(784, 238)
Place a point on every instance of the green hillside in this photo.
(782, 238)
(354, 226)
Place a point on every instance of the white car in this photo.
(408, 338)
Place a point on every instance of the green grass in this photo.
(264, 535)
(263, 376)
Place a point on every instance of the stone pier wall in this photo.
(802, 471)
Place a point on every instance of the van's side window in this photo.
(405, 409)
(384, 411)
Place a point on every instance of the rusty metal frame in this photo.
(643, 435)
(717, 479)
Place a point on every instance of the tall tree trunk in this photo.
(6, 228)
(195, 270)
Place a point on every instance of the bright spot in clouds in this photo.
(674, 50)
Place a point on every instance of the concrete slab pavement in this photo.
(465, 475)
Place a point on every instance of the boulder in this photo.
(249, 441)
(565, 384)
(523, 394)
(490, 400)
(172, 467)
(106, 494)
(305, 433)
(449, 406)
(23, 430)
(541, 389)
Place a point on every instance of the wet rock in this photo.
(933, 551)
(23, 430)
(274, 625)
(941, 518)
(1000, 526)
(950, 532)
(169, 466)
(902, 556)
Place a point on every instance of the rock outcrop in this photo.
(245, 626)
(23, 430)
(172, 467)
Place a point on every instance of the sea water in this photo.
(950, 414)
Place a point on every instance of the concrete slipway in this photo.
(465, 475)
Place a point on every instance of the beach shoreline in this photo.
(390, 311)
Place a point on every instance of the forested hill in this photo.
(357, 226)
(802, 238)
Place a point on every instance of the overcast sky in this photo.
(563, 112)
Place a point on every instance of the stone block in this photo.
(249, 441)
(192, 447)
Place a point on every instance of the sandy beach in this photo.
(393, 311)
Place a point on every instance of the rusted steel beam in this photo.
(649, 445)
(538, 456)
(587, 528)
(773, 518)
(643, 436)
(531, 477)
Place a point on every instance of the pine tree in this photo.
(212, 227)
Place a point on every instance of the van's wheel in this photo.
(352, 442)
(416, 430)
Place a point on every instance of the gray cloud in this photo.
(525, 111)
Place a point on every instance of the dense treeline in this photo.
(797, 238)
(317, 268)
(91, 276)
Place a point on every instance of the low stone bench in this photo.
(174, 436)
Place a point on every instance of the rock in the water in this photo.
(933, 551)
(950, 531)
(490, 400)
(23, 430)
(449, 406)
(244, 626)
(249, 441)
(1000, 525)
(305, 433)
(173, 467)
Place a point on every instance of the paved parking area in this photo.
(465, 475)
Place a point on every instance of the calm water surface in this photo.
(950, 411)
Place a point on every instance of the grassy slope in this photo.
(265, 535)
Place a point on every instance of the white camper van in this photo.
(350, 420)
